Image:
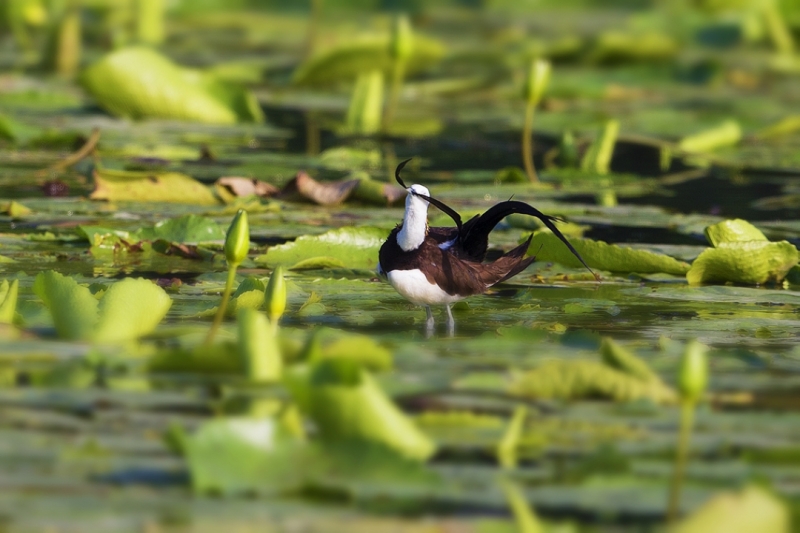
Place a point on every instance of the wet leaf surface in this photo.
(87, 428)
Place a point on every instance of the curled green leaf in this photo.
(602, 256)
(736, 230)
(750, 263)
(346, 403)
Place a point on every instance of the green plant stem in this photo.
(398, 74)
(527, 142)
(223, 305)
(681, 456)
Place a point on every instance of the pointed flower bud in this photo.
(402, 42)
(237, 240)
(537, 80)
(275, 295)
(693, 372)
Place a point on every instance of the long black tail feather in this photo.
(474, 237)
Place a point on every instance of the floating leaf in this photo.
(347, 60)
(122, 185)
(751, 262)
(736, 230)
(752, 509)
(602, 256)
(327, 343)
(139, 83)
(186, 229)
(355, 247)
(585, 379)
(346, 404)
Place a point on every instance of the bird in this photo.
(442, 265)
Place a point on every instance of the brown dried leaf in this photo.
(322, 193)
(240, 186)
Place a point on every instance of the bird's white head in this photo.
(415, 221)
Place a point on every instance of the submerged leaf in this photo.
(122, 185)
(750, 262)
(138, 83)
(602, 256)
(354, 247)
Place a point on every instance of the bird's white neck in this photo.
(415, 221)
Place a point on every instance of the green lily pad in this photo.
(353, 247)
(192, 229)
(140, 83)
(750, 262)
(174, 187)
(602, 256)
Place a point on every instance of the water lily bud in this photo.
(237, 240)
(275, 295)
(402, 42)
(693, 372)
(537, 80)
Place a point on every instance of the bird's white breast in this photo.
(415, 287)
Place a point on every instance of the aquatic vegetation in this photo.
(319, 405)
(692, 384)
(535, 84)
(742, 254)
(124, 185)
(139, 83)
(125, 310)
(603, 256)
(237, 246)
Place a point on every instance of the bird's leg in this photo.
(451, 323)
(429, 322)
